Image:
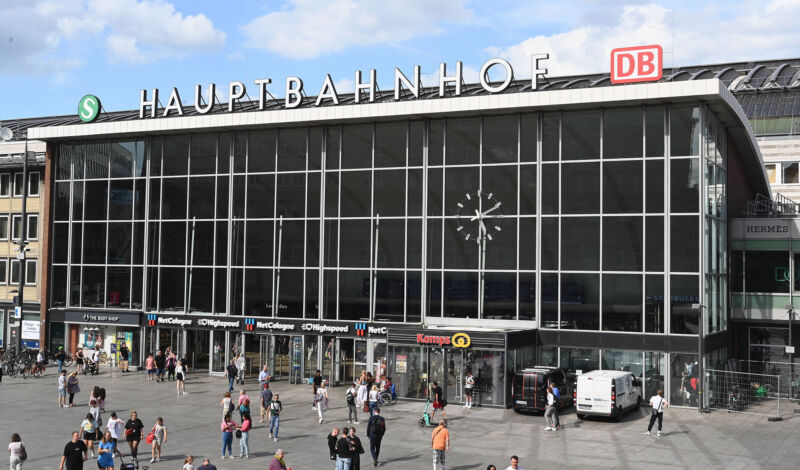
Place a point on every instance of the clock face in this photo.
(480, 216)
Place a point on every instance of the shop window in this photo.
(577, 359)
(683, 380)
(767, 272)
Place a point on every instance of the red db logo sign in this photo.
(636, 64)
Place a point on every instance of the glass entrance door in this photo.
(455, 376)
(359, 356)
(347, 373)
(218, 349)
(197, 349)
(252, 355)
(329, 369)
(379, 360)
(168, 338)
(436, 370)
(281, 357)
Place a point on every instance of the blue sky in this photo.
(52, 52)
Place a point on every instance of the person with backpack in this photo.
(230, 373)
(172, 361)
(376, 428)
(552, 409)
(352, 407)
(344, 451)
(658, 404)
(275, 408)
(557, 394)
(16, 452)
(321, 401)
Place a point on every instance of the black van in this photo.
(529, 389)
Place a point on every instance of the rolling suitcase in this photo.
(127, 466)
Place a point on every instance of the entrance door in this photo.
(168, 338)
(379, 359)
(436, 370)
(218, 349)
(197, 349)
(329, 370)
(281, 366)
(360, 356)
(347, 374)
(252, 355)
(455, 376)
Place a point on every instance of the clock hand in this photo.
(491, 209)
(477, 216)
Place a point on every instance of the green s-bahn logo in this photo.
(89, 108)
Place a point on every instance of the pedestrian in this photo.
(105, 452)
(188, 462)
(266, 397)
(96, 360)
(361, 396)
(277, 462)
(72, 387)
(79, 361)
(74, 454)
(491, 467)
(230, 373)
(240, 365)
(61, 356)
(62, 389)
(133, 434)
(171, 362)
(89, 432)
(124, 354)
(332, 438)
(358, 449)
(227, 404)
(244, 439)
(316, 382)
(96, 405)
(243, 398)
(344, 451)
(439, 402)
(552, 409)
(376, 428)
(16, 452)
(321, 401)
(374, 399)
(352, 408)
(150, 365)
(207, 465)
(469, 384)
(180, 384)
(160, 433)
(557, 396)
(440, 442)
(514, 464)
(227, 428)
(184, 361)
(658, 404)
(115, 426)
(275, 409)
(160, 366)
(263, 376)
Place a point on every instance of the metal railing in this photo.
(746, 392)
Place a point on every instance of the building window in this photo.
(3, 271)
(5, 185)
(16, 226)
(772, 173)
(18, 185)
(14, 271)
(30, 272)
(33, 184)
(791, 173)
(33, 227)
(4, 227)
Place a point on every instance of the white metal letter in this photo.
(212, 93)
(327, 91)
(235, 92)
(144, 104)
(485, 75)
(262, 91)
(370, 85)
(444, 79)
(173, 103)
(400, 77)
(294, 89)
(536, 70)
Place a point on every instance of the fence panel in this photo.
(745, 392)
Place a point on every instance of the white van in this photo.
(607, 393)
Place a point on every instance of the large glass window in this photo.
(622, 133)
(580, 301)
(622, 302)
(685, 130)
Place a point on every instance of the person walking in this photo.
(266, 397)
(16, 449)
(439, 401)
(240, 365)
(188, 462)
(469, 384)
(61, 356)
(160, 366)
(124, 355)
(332, 438)
(374, 399)
(244, 399)
(514, 465)
(440, 443)
(105, 452)
(72, 387)
(352, 408)
(180, 384)
(557, 396)
(184, 361)
(316, 382)
(160, 433)
(321, 401)
(62, 389)
(277, 462)
(275, 409)
(376, 428)
(227, 404)
(74, 454)
(657, 403)
(230, 373)
(150, 365)
(96, 405)
(133, 434)
(552, 409)
(263, 376)
(363, 392)
(89, 432)
(171, 363)
(115, 427)
(227, 427)
(79, 360)
(358, 449)
(344, 451)
(244, 440)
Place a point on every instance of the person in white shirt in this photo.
(321, 401)
(14, 451)
(240, 364)
(552, 409)
(658, 404)
(62, 389)
(469, 384)
(514, 464)
(352, 409)
(115, 427)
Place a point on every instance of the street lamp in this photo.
(790, 350)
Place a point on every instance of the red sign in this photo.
(636, 64)
(437, 340)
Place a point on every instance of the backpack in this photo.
(351, 400)
(23, 454)
(557, 393)
(378, 427)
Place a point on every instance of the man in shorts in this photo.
(469, 384)
(74, 454)
(124, 355)
(440, 442)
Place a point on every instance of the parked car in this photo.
(529, 388)
(607, 393)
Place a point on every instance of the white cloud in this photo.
(311, 28)
(745, 31)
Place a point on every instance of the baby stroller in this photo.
(91, 367)
(426, 418)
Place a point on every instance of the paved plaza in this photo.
(480, 436)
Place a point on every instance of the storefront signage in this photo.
(177, 321)
(325, 328)
(767, 229)
(30, 329)
(636, 64)
(274, 326)
(294, 93)
(461, 340)
(98, 318)
(218, 323)
(437, 340)
(90, 318)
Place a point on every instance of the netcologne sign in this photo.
(365, 88)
